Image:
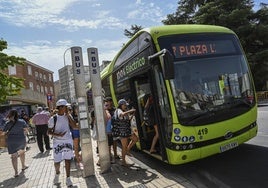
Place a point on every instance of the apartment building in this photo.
(38, 82)
(66, 79)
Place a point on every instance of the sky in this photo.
(42, 31)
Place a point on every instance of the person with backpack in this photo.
(58, 127)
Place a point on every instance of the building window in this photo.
(31, 85)
(29, 70)
(45, 89)
(50, 78)
(12, 70)
(42, 89)
(40, 76)
(51, 90)
(38, 88)
(36, 75)
(45, 77)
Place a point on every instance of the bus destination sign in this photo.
(181, 50)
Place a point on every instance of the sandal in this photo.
(129, 154)
(153, 152)
(127, 165)
(24, 168)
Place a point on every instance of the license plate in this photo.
(228, 146)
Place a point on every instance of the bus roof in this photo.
(157, 31)
(184, 29)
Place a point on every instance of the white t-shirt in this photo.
(62, 125)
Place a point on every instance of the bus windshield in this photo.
(212, 80)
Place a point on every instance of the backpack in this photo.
(55, 121)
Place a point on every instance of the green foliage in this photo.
(134, 29)
(9, 85)
(250, 26)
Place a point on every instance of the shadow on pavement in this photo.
(14, 182)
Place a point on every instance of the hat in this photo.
(122, 101)
(108, 99)
(39, 109)
(61, 102)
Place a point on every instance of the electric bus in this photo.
(201, 85)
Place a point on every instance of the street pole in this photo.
(80, 92)
(68, 97)
(104, 156)
(64, 56)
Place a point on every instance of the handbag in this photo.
(120, 127)
(147, 116)
(4, 135)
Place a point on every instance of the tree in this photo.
(134, 29)
(251, 27)
(9, 85)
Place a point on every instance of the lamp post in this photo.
(67, 75)
(64, 56)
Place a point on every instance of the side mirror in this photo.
(167, 62)
(168, 65)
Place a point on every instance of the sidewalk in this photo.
(41, 173)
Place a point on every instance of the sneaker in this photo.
(69, 183)
(117, 157)
(56, 179)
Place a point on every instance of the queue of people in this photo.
(62, 125)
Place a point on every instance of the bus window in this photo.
(229, 88)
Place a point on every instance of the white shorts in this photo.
(62, 151)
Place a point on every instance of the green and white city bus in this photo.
(203, 92)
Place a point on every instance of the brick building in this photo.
(38, 83)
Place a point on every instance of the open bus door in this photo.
(144, 87)
(151, 82)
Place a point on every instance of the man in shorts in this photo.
(62, 139)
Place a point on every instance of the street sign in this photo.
(97, 93)
(80, 92)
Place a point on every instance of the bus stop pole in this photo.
(104, 156)
(80, 91)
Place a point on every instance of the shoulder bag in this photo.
(120, 127)
(4, 135)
